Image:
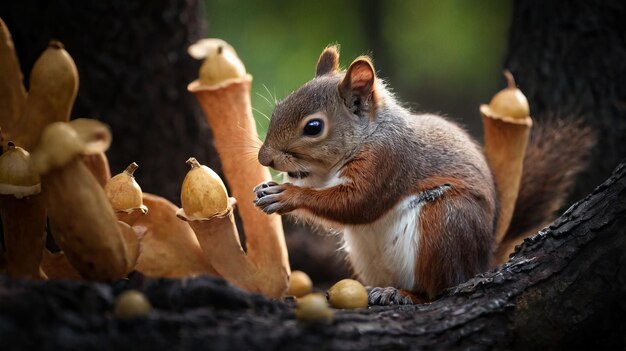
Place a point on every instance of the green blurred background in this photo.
(438, 56)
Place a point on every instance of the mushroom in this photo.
(82, 220)
(227, 108)
(56, 265)
(98, 165)
(52, 91)
(23, 214)
(12, 92)
(168, 246)
(209, 212)
(506, 124)
(125, 195)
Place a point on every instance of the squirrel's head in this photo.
(319, 125)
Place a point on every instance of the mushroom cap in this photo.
(17, 176)
(61, 142)
(221, 63)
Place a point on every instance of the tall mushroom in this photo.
(209, 211)
(507, 124)
(12, 92)
(52, 91)
(82, 220)
(223, 91)
(23, 214)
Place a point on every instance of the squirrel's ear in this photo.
(328, 61)
(359, 79)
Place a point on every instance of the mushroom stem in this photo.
(98, 165)
(12, 91)
(220, 243)
(228, 111)
(23, 223)
(83, 223)
(505, 141)
(192, 162)
(510, 80)
(131, 168)
(168, 248)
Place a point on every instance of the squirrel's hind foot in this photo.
(390, 296)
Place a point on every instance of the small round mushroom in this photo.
(299, 284)
(131, 304)
(347, 294)
(23, 214)
(313, 307)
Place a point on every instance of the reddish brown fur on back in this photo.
(456, 236)
(556, 153)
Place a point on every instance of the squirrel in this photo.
(412, 193)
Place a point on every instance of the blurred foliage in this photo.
(438, 56)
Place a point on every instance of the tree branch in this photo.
(564, 287)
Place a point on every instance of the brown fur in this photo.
(556, 153)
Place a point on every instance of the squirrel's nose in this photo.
(265, 157)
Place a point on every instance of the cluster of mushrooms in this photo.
(54, 174)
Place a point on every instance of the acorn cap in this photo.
(61, 142)
(17, 177)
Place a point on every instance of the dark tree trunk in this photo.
(569, 58)
(134, 69)
(564, 288)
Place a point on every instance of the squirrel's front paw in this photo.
(272, 198)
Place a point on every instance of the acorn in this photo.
(203, 194)
(510, 101)
(221, 62)
(313, 307)
(125, 195)
(299, 284)
(17, 178)
(131, 304)
(347, 294)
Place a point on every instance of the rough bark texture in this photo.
(564, 288)
(568, 58)
(134, 71)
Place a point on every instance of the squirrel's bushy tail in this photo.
(557, 152)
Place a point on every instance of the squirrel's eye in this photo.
(313, 127)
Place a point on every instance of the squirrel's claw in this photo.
(269, 198)
(387, 296)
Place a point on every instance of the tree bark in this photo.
(563, 288)
(568, 59)
(134, 69)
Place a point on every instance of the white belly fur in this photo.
(384, 253)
